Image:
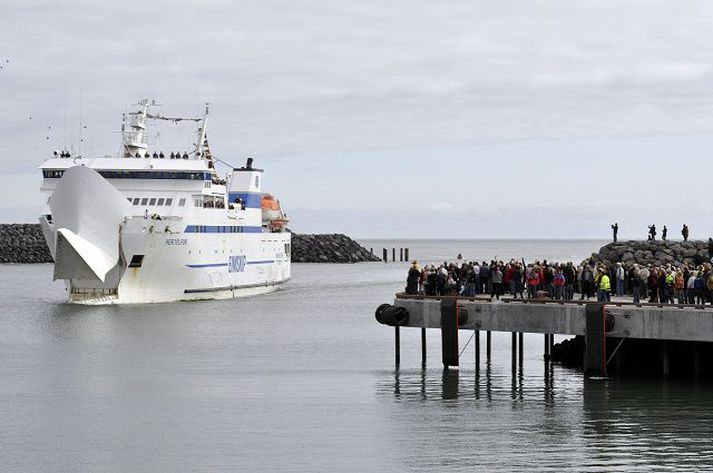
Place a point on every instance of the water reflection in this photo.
(558, 420)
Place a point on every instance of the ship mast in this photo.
(134, 140)
(202, 148)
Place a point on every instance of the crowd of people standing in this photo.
(683, 284)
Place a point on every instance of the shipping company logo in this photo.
(236, 264)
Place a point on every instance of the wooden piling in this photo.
(393, 254)
(423, 346)
(487, 345)
(401, 254)
(521, 348)
(477, 348)
(406, 254)
(397, 345)
(513, 351)
(547, 347)
(385, 256)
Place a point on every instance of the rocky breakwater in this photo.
(653, 252)
(23, 243)
(328, 248)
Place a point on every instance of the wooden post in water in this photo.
(371, 250)
(487, 345)
(513, 352)
(393, 254)
(547, 347)
(397, 345)
(401, 254)
(521, 348)
(385, 257)
(423, 346)
(406, 254)
(477, 348)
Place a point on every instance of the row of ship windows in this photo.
(204, 201)
(196, 176)
(160, 201)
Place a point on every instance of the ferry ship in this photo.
(152, 226)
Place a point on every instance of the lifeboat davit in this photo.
(272, 215)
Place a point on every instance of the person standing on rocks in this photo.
(615, 230)
(664, 232)
(652, 232)
(684, 232)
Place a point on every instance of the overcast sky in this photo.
(460, 119)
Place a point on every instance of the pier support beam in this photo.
(477, 349)
(449, 332)
(547, 347)
(521, 347)
(595, 356)
(487, 345)
(665, 365)
(423, 346)
(513, 351)
(397, 345)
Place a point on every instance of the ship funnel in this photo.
(87, 212)
(249, 164)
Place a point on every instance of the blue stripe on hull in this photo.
(221, 229)
(218, 265)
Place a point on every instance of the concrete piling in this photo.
(449, 332)
(595, 363)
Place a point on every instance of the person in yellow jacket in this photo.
(604, 286)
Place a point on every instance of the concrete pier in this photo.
(595, 321)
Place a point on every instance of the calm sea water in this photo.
(303, 380)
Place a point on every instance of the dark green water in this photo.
(303, 380)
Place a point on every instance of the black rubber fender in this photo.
(609, 322)
(388, 314)
(462, 316)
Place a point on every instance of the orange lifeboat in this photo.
(272, 214)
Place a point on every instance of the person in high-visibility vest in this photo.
(604, 286)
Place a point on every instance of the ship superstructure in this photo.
(159, 226)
